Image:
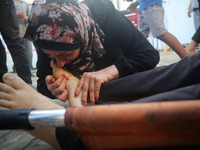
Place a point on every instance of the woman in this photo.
(92, 40)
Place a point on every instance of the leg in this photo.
(196, 15)
(28, 47)
(173, 42)
(154, 16)
(191, 47)
(143, 27)
(3, 67)
(162, 79)
(16, 94)
(10, 32)
(186, 93)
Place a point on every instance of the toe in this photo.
(13, 81)
(5, 90)
(4, 104)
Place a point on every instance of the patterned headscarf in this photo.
(66, 25)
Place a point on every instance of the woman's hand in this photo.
(91, 81)
(57, 87)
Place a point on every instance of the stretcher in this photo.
(118, 126)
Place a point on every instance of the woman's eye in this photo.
(67, 55)
(49, 56)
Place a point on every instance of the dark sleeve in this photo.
(137, 53)
(43, 69)
(196, 36)
(124, 44)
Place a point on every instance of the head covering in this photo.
(65, 25)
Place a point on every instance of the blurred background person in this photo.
(192, 46)
(22, 9)
(3, 67)
(9, 28)
(151, 18)
(194, 7)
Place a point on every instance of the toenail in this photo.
(9, 77)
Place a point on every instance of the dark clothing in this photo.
(68, 139)
(9, 29)
(3, 67)
(165, 83)
(176, 82)
(125, 46)
(196, 36)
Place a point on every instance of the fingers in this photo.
(91, 83)
(95, 85)
(91, 91)
(63, 95)
(84, 85)
(57, 87)
(97, 89)
(50, 79)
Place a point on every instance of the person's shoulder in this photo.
(98, 3)
(99, 6)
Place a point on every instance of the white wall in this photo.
(29, 1)
(176, 19)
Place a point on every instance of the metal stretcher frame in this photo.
(125, 126)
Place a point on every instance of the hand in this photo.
(20, 15)
(92, 81)
(133, 7)
(26, 19)
(57, 87)
(189, 12)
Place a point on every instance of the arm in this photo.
(136, 54)
(189, 9)
(133, 7)
(127, 50)
(27, 13)
(91, 82)
(125, 46)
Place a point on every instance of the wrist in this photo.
(112, 72)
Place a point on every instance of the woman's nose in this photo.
(60, 63)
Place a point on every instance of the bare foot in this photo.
(191, 48)
(70, 86)
(16, 94)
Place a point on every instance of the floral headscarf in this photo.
(66, 25)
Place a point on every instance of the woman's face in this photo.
(62, 57)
